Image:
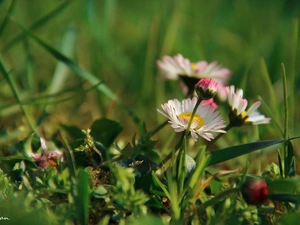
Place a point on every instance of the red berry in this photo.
(255, 191)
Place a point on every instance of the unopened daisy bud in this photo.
(206, 88)
(190, 164)
(255, 191)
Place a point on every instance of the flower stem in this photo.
(159, 127)
(192, 116)
(169, 156)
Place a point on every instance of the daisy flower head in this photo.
(205, 120)
(47, 157)
(238, 116)
(190, 73)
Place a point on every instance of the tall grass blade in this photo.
(82, 202)
(288, 154)
(235, 151)
(38, 23)
(62, 70)
(6, 18)
(73, 66)
(292, 69)
(13, 87)
(30, 71)
(269, 87)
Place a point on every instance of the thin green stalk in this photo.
(192, 116)
(13, 87)
(286, 122)
(6, 19)
(292, 69)
(169, 156)
(38, 24)
(159, 127)
(217, 199)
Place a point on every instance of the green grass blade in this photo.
(235, 151)
(6, 19)
(288, 152)
(292, 69)
(62, 70)
(271, 115)
(280, 163)
(32, 87)
(71, 165)
(41, 22)
(295, 198)
(41, 99)
(160, 184)
(182, 165)
(268, 87)
(82, 202)
(73, 66)
(13, 87)
(202, 161)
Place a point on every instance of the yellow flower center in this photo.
(243, 114)
(194, 66)
(187, 115)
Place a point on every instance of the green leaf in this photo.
(158, 183)
(295, 198)
(235, 151)
(289, 161)
(280, 163)
(82, 200)
(100, 191)
(290, 218)
(104, 221)
(72, 131)
(286, 186)
(105, 131)
(145, 220)
(15, 157)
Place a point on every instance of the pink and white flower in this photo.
(238, 115)
(172, 67)
(47, 157)
(189, 73)
(205, 120)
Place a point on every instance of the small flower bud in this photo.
(255, 191)
(206, 88)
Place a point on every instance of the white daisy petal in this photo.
(205, 121)
(238, 107)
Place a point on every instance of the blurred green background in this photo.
(119, 42)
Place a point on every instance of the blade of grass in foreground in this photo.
(82, 202)
(73, 66)
(235, 151)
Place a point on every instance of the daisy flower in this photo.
(190, 73)
(48, 157)
(205, 120)
(238, 116)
